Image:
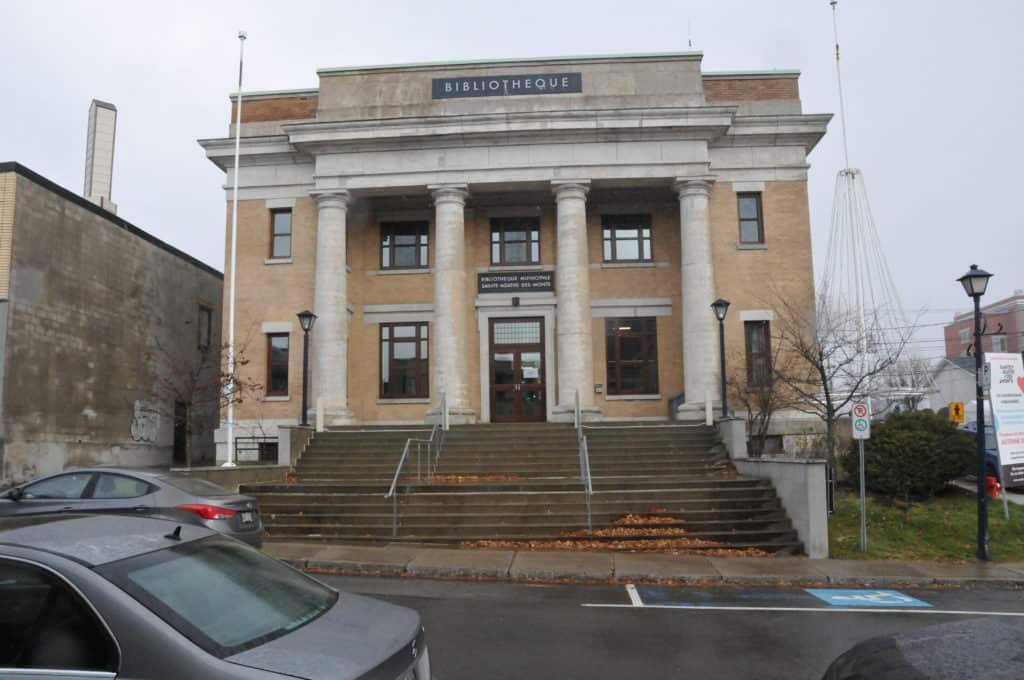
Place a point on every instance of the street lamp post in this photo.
(975, 281)
(306, 320)
(720, 307)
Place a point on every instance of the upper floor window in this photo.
(632, 355)
(998, 343)
(403, 245)
(281, 233)
(205, 329)
(751, 218)
(965, 336)
(759, 363)
(277, 364)
(515, 241)
(626, 238)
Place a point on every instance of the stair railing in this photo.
(577, 417)
(588, 488)
(420, 445)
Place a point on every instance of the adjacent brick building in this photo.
(109, 337)
(1009, 313)
(508, 235)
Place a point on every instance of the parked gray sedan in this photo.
(108, 596)
(142, 492)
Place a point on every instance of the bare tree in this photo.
(759, 392)
(191, 385)
(837, 357)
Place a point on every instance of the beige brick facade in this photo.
(387, 166)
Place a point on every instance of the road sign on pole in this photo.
(956, 412)
(861, 413)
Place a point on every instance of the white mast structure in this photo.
(857, 295)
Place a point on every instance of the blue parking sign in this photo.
(866, 598)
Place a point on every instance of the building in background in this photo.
(506, 237)
(1009, 313)
(109, 337)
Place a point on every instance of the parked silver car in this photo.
(150, 492)
(108, 596)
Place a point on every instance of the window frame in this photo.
(422, 375)
(268, 390)
(754, 380)
(150, 488)
(648, 337)
(612, 223)
(756, 195)
(84, 494)
(274, 212)
(501, 225)
(204, 312)
(422, 246)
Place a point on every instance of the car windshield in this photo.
(222, 595)
(196, 487)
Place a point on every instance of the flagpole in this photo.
(234, 253)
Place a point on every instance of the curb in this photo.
(568, 577)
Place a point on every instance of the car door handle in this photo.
(66, 508)
(140, 508)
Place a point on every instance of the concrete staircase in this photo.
(521, 483)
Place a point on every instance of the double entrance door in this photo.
(517, 370)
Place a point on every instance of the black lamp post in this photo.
(975, 282)
(306, 320)
(720, 307)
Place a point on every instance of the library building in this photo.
(503, 240)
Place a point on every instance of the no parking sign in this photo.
(861, 421)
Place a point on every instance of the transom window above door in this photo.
(515, 240)
(404, 245)
(626, 238)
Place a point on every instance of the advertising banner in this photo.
(1006, 397)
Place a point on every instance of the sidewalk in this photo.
(525, 565)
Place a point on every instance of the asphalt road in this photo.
(492, 631)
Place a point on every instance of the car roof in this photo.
(95, 539)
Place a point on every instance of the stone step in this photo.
(572, 465)
(575, 505)
(568, 515)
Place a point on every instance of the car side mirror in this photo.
(16, 494)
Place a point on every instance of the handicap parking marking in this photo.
(866, 598)
(676, 596)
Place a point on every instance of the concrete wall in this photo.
(101, 332)
(231, 478)
(801, 486)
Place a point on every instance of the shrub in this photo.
(912, 455)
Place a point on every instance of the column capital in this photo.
(449, 193)
(570, 188)
(331, 198)
(693, 186)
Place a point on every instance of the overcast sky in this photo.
(933, 92)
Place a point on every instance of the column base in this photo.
(567, 414)
(456, 416)
(335, 418)
(695, 410)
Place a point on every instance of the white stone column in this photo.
(448, 334)
(700, 341)
(572, 286)
(329, 369)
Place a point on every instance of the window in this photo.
(62, 486)
(205, 326)
(277, 364)
(515, 241)
(626, 238)
(403, 245)
(118, 486)
(403, 361)
(751, 218)
(44, 625)
(759, 367)
(965, 336)
(998, 343)
(632, 355)
(281, 233)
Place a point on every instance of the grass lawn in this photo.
(943, 528)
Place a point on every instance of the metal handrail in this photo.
(588, 488)
(434, 446)
(577, 417)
